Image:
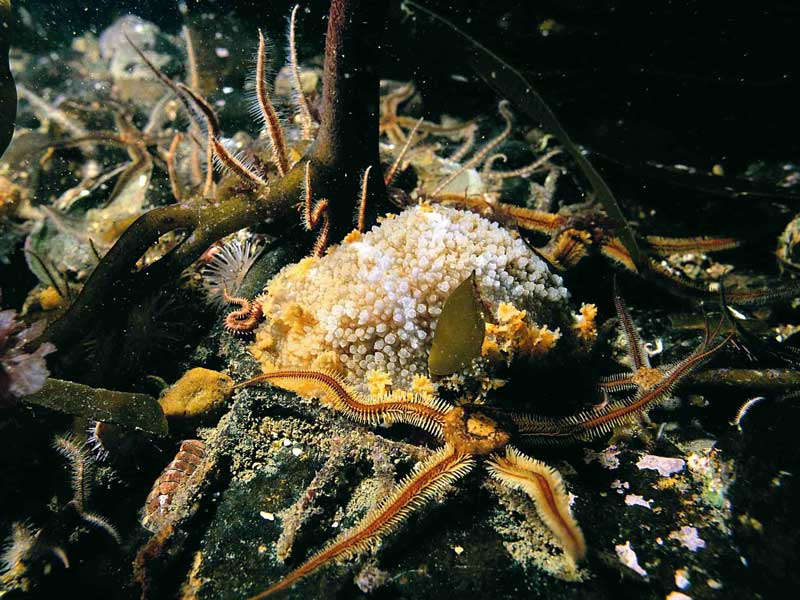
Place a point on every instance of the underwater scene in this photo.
(399, 299)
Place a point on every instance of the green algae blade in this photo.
(510, 84)
(459, 331)
(138, 411)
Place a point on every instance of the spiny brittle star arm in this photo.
(245, 318)
(334, 392)
(587, 425)
(428, 481)
(545, 487)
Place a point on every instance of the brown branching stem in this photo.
(346, 144)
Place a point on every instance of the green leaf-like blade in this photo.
(459, 331)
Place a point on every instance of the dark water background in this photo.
(691, 82)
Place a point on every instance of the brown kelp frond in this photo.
(478, 158)
(412, 409)
(81, 464)
(267, 110)
(100, 522)
(392, 172)
(668, 245)
(545, 487)
(300, 100)
(427, 482)
(635, 349)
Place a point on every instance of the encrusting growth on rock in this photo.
(199, 392)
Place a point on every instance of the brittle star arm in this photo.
(412, 409)
(428, 481)
(545, 487)
(634, 348)
(267, 111)
(587, 425)
(388, 111)
(481, 155)
(202, 113)
(318, 215)
(225, 158)
(301, 102)
(245, 318)
(665, 246)
(633, 342)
